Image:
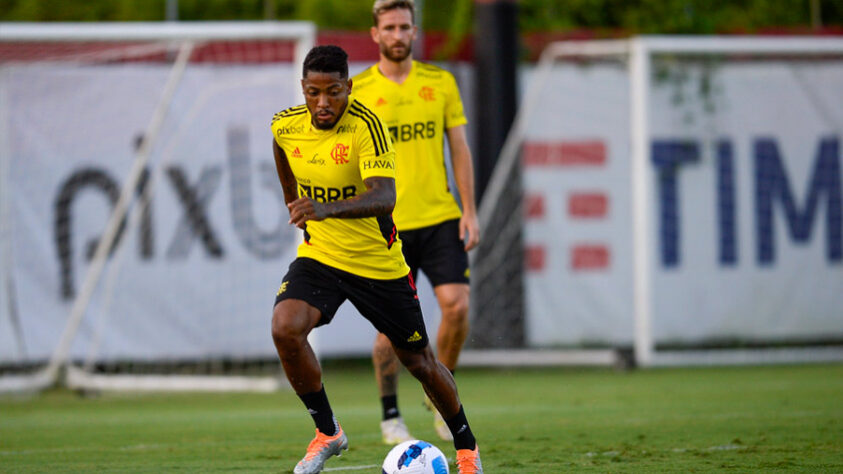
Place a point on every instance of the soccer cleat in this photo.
(438, 422)
(468, 461)
(319, 450)
(395, 431)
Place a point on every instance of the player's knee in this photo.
(286, 331)
(382, 348)
(420, 366)
(455, 308)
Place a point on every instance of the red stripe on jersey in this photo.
(391, 239)
(412, 285)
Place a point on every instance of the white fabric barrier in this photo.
(745, 206)
(772, 274)
(198, 272)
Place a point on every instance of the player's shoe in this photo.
(468, 461)
(319, 450)
(395, 431)
(438, 422)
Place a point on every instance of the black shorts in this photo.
(437, 251)
(392, 306)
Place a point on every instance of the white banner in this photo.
(195, 274)
(745, 205)
(747, 202)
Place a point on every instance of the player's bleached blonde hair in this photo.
(382, 6)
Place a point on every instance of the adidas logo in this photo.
(415, 337)
(312, 411)
(296, 153)
(381, 101)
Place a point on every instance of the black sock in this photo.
(389, 404)
(463, 437)
(319, 408)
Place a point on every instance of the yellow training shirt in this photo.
(417, 114)
(330, 165)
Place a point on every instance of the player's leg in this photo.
(453, 328)
(297, 311)
(441, 389)
(387, 366)
(393, 308)
(445, 263)
(292, 321)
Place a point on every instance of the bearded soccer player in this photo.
(420, 103)
(336, 165)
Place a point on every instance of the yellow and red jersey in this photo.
(330, 165)
(417, 113)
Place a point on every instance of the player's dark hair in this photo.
(382, 6)
(328, 59)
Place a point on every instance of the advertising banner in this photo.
(198, 264)
(745, 204)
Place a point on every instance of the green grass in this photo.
(784, 419)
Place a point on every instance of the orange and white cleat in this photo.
(468, 461)
(320, 450)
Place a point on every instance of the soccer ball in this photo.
(416, 457)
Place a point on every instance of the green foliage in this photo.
(97, 10)
(630, 16)
(745, 419)
(337, 14)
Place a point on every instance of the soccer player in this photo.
(336, 165)
(420, 103)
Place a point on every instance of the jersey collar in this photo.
(407, 79)
(332, 129)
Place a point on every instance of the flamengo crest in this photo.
(340, 154)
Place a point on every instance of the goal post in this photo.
(665, 200)
(192, 72)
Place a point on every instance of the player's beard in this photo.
(396, 58)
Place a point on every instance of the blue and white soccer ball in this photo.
(415, 457)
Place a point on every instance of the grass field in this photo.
(786, 418)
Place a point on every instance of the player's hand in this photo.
(469, 231)
(305, 209)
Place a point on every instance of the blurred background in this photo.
(659, 181)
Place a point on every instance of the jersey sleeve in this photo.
(454, 114)
(376, 155)
(281, 122)
(274, 129)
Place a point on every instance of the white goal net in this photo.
(680, 198)
(142, 229)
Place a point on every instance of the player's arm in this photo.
(464, 177)
(285, 174)
(377, 200)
